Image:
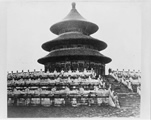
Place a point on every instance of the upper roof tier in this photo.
(74, 22)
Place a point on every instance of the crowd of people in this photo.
(77, 96)
(41, 78)
(128, 78)
(60, 88)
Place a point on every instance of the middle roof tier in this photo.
(74, 38)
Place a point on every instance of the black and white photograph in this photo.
(75, 59)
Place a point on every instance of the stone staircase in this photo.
(117, 86)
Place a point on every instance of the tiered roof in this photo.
(72, 30)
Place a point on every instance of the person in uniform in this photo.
(139, 89)
(99, 96)
(74, 102)
(113, 99)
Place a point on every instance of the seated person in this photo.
(69, 72)
(91, 97)
(22, 92)
(129, 85)
(74, 90)
(28, 81)
(21, 81)
(105, 94)
(103, 84)
(16, 92)
(67, 90)
(99, 78)
(9, 82)
(44, 91)
(16, 82)
(48, 74)
(51, 81)
(53, 90)
(76, 81)
(77, 72)
(79, 79)
(113, 99)
(31, 91)
(38, 91)
(139, 90)
(55, 73)
(12, 81)
(99, 96)
(96, 88)
(61, 73)
(57, 80)
(69, 80)
(81, 90)
(9, 92)
(46, 102)
(101, 81)
(74, 102)
(83, 101)
(89, 80)
(37, 80)
(58, 101)
(85, 72)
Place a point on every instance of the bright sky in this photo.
(28, 26)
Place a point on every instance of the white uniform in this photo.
(111, 102)
(74, 102)
(99, 99)
(57, 101)
(81, 90)
(138, 90)
(106, 93)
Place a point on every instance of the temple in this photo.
(74, 70)
(74, 48)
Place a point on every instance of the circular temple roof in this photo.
(74, 22)
(74, 38)
(74, 53)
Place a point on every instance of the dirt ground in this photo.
(130, 107)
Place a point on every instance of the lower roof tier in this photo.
(71, 38)
(74, 54)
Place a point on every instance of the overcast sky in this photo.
(28, 26)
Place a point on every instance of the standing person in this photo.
(67, 92)
(113, 99)
(74, 102)
(81, 91)
(129, 85)
(139, 90)
(111, 102)
(91, 97)
(109, 71)
(99, 97)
